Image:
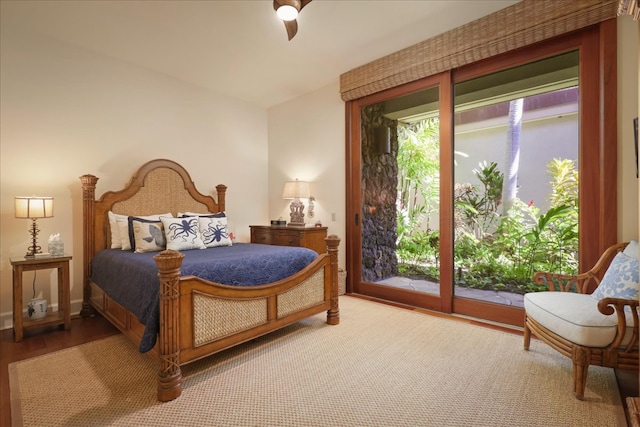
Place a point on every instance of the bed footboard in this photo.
(191, 311)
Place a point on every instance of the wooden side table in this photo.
(60, 317)
(305, 237)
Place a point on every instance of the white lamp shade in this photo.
(296, 189)
(34, 207)
(287, 12)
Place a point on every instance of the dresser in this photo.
(305, 237)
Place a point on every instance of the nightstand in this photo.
(60, 317)
(305, 237)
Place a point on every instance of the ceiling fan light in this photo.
(287, 12)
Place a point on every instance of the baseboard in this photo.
(6, 318)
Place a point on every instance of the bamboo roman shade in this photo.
(521, 24)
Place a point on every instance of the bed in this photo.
(191, 317)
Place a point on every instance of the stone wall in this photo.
(379, 192)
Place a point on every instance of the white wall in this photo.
(66, 111)
(307, 142)
(628, 77)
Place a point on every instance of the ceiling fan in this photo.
(288, 11)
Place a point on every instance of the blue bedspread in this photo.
(131, 279)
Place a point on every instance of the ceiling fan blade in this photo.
(303, 3)
(292, 28)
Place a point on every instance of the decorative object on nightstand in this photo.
(33, 207)
(311, 207)
(37, 308)
(295, 190)
(56, 245)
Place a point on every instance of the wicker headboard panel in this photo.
(163, 191)
(159, 186)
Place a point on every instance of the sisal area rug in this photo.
(382, 366)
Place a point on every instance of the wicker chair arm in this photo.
(608, 306)
(580, 282)
(563, 282)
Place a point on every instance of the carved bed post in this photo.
(88, 246)
(333, 314)
(221, 199)
(169, 375)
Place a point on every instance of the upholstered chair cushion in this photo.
(574, 317)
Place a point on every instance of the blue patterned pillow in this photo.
(182, 233)
(214, 231)
(620, 279)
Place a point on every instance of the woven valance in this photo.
(522, 24)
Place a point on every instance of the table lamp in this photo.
(33, 207)
(294, 190)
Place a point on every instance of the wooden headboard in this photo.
(159, 186)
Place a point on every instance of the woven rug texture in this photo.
(381, 366)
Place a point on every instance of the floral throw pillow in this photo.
(182, 233)
(214, 231)
(620, 279)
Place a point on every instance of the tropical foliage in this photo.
(493, 250)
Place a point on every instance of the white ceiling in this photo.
(246, 57)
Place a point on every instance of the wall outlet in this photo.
(333, 216)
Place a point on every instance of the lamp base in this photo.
(297, 213)
(34, 249)
(296, 224)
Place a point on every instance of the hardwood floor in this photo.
(82, 330)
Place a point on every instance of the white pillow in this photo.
(123, 232)
(115, 230)
(620, 280)
(632, 249)
(182, 233)
(214, 231)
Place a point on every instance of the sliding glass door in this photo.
(461, 185)
(516, 174)
(399, 197)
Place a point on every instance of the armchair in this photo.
(581, 326)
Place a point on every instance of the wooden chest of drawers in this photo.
(306, 237)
